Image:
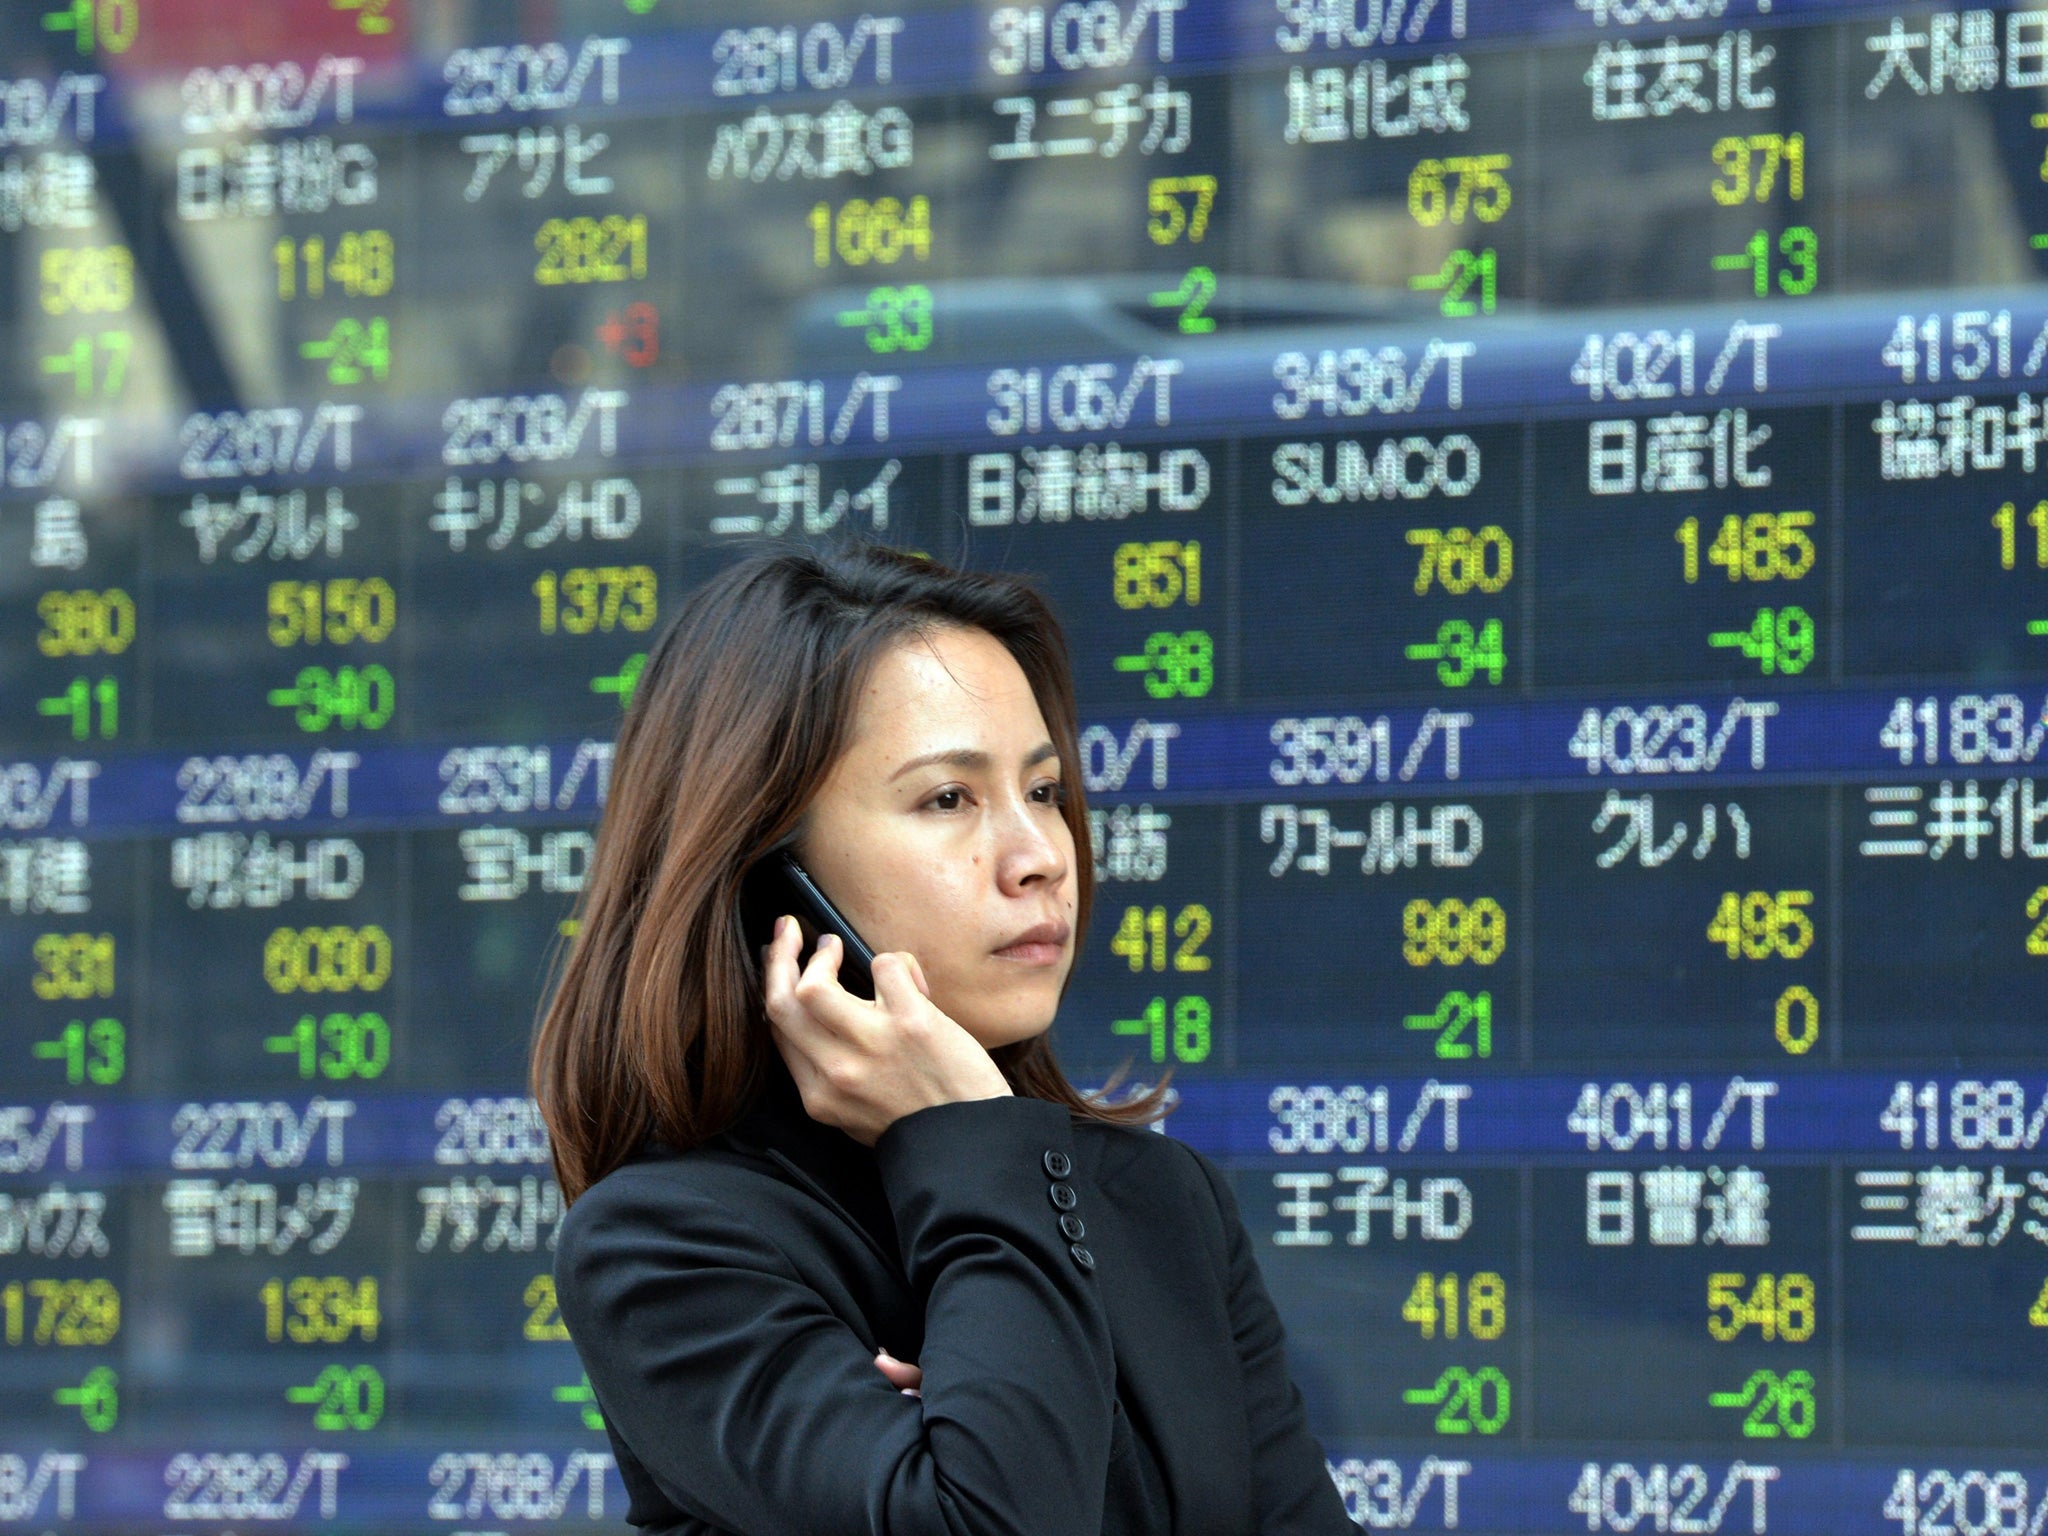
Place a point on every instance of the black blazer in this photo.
(1066, 1287)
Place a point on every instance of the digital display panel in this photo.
(1548, 500)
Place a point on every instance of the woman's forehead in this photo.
(950, 683)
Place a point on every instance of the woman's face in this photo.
(939, 832)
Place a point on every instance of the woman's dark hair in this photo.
(746, 701)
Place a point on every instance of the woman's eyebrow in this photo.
(971, 758)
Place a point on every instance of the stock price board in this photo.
(1548, 497)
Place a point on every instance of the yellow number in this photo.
(1798, 1020)
(1762, 546)
(1731, 158)
(2037, 1314)
(1486, 1305)
(1158, 574)
(1451, 189)
(543, 1315)
(1142, 935)
(1450, 933)
(591, 599)
(1168, 218)
(1433, 1301)
(87, 279)
(362, 267)
(587, 250)
(2037, 906)
(1795, 1308)
(362, 263)
(67, 1312)
(1749, 167)
(1777, 1306)
(327, 959)
(85, 623)
(320, 1309)
(1421, 1307)
(74, 965)
(1461, 561)
(882, 231)
(2007, 521)
(1191, 926)
(1757, 925)
(1131, 938)
(334, 612)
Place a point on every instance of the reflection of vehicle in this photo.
(1130, 313)
(1287, 352)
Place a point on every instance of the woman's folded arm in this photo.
(759, 1410)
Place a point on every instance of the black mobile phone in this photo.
(778, 886)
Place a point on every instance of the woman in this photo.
(844, 1266)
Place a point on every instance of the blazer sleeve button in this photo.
(1063, 1197)
(1058, 1164)
(1082, 1256)
(1073, 1227)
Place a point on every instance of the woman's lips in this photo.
(1032, 954)
(1045, 944)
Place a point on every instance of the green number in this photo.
(1798, 247)
(343, 1397)
(349, 697)
(1191, 298)
(1174, 665)
(91, 1053)
(1190, 1030)
(1777, 640)
(1467, 1402)
(1462, 653)
(97, 1399)
(1461, 273)
(897, 319)
(1777, 1405)
(339, 1047)
(1458, 1012)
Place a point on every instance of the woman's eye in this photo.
(1051, 794)
(946, 800)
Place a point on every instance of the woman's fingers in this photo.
(899, 985)
(823, 966)
(860, 1065)
(810, 994)
(902, 1375)
(785, 1013)
(778, 965)
(814, 1022)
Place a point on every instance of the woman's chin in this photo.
(1009, 1029)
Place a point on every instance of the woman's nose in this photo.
(1030, 849)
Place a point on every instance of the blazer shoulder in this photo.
(703, 1190)
(1154, 1162)
(1158, 1153)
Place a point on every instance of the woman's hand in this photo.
(903, 1376)
(862, 1066)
